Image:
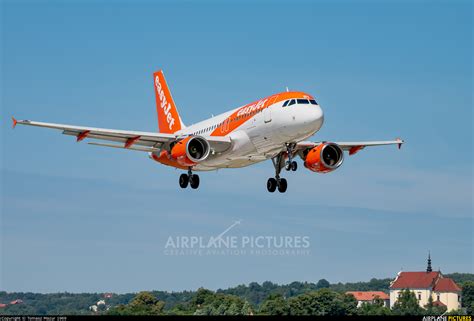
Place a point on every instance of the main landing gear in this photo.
(279, 162)
(277, 182)
(189, 178)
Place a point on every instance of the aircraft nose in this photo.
(317, 116)
(305, 120)
(319, 112)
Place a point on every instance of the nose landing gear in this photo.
(290, 164)
(189, 178)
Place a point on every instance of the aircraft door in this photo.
(267, 115)
(267, 112)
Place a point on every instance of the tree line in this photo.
(318, 303)
(266, 298)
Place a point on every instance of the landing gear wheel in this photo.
(294, 166)
(183, 180)
(194, 181)
(271, 184)
(282, 185)
(288, 165)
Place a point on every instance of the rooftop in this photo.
(417, 280)
(446, 285)
(369, 295)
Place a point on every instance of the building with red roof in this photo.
(370, 297)
(442, 290)
(17, 301)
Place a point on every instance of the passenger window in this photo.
(302, 101)
(292, 102)
(313, 102)
(286, 103)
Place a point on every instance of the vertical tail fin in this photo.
(168, 117)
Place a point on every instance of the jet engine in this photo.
(191, 150)
(324, 158)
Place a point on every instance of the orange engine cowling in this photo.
(324, 158)
(190, 151)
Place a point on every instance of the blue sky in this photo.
(81, 218)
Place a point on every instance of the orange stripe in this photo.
(247, 112)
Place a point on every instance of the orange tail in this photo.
(168, 116)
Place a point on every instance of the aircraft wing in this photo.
(352, 147)
(133, 140)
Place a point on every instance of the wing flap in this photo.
(143, 140)
(352, 147)
(135, 148)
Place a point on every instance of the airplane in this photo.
(275, 127)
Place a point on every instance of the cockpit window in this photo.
(286, 103)
(292, 102)
(313, 102)
(302, 101)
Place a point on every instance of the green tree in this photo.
(461, 278)
(323, 284)
(376, 308)
(207, 310)
(246, 309)
(221, 309)
(233, 309)
(206, 302)
(144, 303)
(457, 312)
(274, 304)
(407, 304)
(202, 297)
(180, 309)
(323, 302)
(468, 297)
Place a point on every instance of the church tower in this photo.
(428, 268)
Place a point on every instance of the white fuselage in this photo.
(261, 136)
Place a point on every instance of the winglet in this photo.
(400, 142)
(14, 122)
